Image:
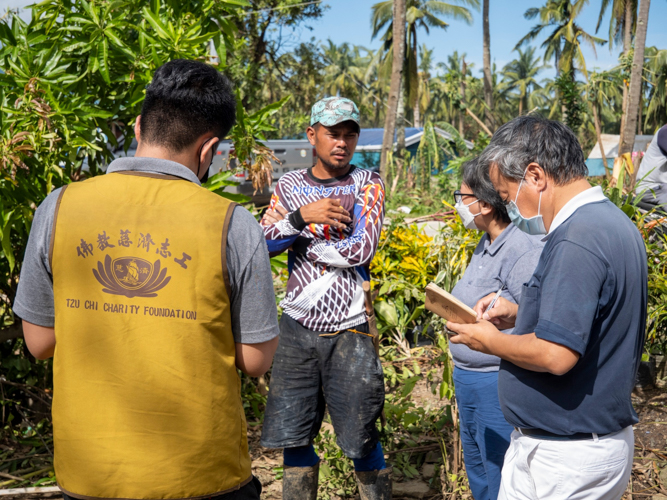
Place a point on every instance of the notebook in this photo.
(447, 306)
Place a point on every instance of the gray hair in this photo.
(532, 138)
(476, 176)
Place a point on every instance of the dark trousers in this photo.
(250, 491)
(315, 370)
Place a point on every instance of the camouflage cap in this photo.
(331, 111)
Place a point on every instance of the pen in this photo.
(495, 299)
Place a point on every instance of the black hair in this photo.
(357, 127)
(185, 100)
(533, 138)
(476, 177)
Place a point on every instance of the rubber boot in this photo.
(375, 485)
(300, 483)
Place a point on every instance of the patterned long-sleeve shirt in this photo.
(324, 291)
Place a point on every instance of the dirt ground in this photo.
(649, 476)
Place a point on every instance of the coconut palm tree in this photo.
(656, 113)
(424, 89)
(602, 90)
(345, 69)
(398, 57)
(622, 24)
(520, 76)
(420, 15)
(488, 85)
(564, 41)
(634, 93)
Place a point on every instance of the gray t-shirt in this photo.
(509, 261)
(253, 302)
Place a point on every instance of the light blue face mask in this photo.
(532, 225)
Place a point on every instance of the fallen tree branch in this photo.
(24, 491)
(13, 332)
(9, 476)
(479, 122)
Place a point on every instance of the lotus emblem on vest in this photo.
(131, 276)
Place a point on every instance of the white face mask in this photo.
(466, 215)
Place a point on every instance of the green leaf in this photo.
(384, 288)
(238, 198)
(386, 312)
(156, 24)
(7, 246)
(104, 60)
(409, 385)
(92, 12)
(629, 210)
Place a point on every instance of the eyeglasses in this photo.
(458, 196)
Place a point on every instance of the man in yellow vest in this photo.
(149, 292)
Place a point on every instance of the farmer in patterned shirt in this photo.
(329, 217)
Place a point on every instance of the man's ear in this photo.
(310, 133)
(485, 208)
(206, 149)
(137, 128)
(536, 176)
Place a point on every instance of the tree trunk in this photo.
(464, 69)
(521, 106)
(398, 35)
(598, 133)
(635, 80)
(627, 45)
(416, 118)
(399, 156)
(417, 113)
(488, 83)
(400, 120)
(640, 109)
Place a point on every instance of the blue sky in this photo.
(349, 21)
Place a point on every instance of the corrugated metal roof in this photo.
(373, 136)
(370, 139)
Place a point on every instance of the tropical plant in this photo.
(520, 76)
(407, 260)
(563, 43)
(570, 98)
(420, 14)
(394, 98)
(345, 70)
(656, 73)
(602, 90)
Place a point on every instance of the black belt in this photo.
(577, 436)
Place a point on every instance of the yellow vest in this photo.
(147, 400)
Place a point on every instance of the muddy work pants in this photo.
(314, 371)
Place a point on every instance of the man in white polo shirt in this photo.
(569, 367)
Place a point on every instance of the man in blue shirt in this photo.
(504, 260)
(568, 369)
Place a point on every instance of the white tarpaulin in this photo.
(610, 145)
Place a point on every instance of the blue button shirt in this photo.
(589, 293)
(509, 261)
